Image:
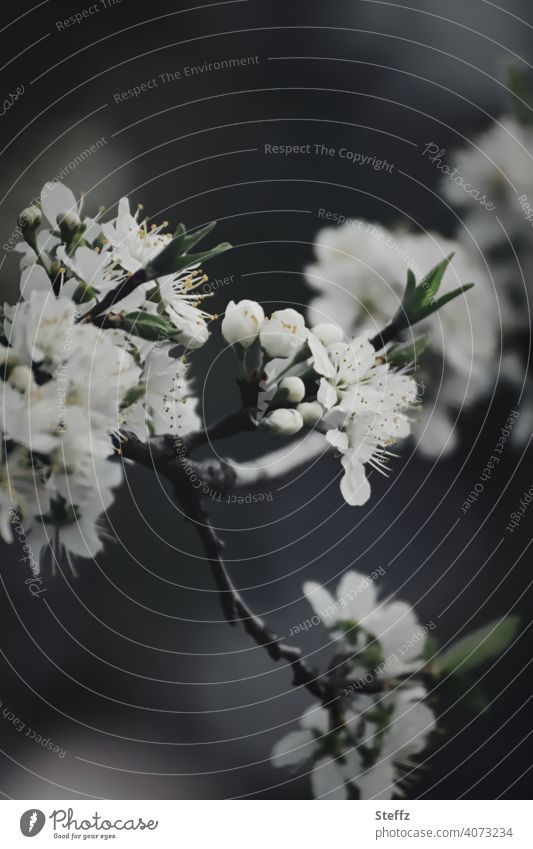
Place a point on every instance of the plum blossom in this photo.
(358, 278)
(378, 733)
(242, 322)
(365, 406)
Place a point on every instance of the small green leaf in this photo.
(84, 293)
(402, 355)
(447, 298)
(481, 645)
(430, 285)
(147, 326)
(192, 239)
(133, 394)
(175, 255)
(192, 259)
(420, 301)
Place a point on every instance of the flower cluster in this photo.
(359, 278)
(70, 387)
(368, 747)
(319, 378)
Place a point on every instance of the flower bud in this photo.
(294, 389)
(21, 378)
(283, 422)
(68, 223)
(328, 333)
(242, 322)
(311, 412)
(283, 333)
(29, 218)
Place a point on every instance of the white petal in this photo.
(316, 718)
(338, 439)
(321, 362)
(56, 198)
(354, 484)
(378, 781)
(34, 279)
(397, 629)
(327, 780)
(321, 601)
(326, 394)
(292, 749)
(360, 594)
(408, 731)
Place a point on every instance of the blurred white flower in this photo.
(359, 276)
(368, 753)
(366, 748)
(38, 330)
(383, 637)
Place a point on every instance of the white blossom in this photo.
(359, 278)
(378, 732)
(365, 405)
(283, 333)
(134, 243)
(242, 322)
(167, 404)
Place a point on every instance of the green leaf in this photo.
(402, 355)
(175, 255)
(84, 293)
(192, 239)
(480, 646)
(148, 326)
(133, 394)
(448, 297)
(420, 301)
(191, 259)
(431, 282)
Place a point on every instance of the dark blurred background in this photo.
(128, 667)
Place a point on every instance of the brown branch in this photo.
(160, 454)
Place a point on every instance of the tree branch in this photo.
(237, 422)
(381, 339)
(159, 454)
(124, 288)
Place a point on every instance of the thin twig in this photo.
(237, 422)
(124, 288)
(160, 454)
